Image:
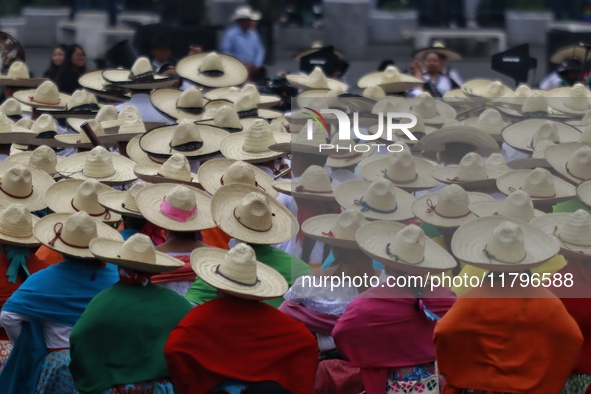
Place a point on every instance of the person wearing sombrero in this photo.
(127, 323)
(437, 78)
(387, 331)
(569, 70)
(506, 339)
(248, 214)
(223, 343)
(39, 316)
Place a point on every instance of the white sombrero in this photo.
(536, 160)
(472, 171)
(11, 133)
(42, 158)
(517, 205)
(540, 184)
(432, 111)
(335, 229)
(212, 70)
(253, 145)
(571, 230)
(187, 104)
(16, 226)
(140, 77)
(23, 185)
(572, 161)
(490, 121)
(97, 85)
(45, 96)
(486, 89)
(18, 76)
(233, 93)
(390, 80)
(225, 118)
(176, 169)
(125, 132)
(123, 202)
(315, 80)
(135, 153)
(216, 173)
(314, 184)
(524, 135)
(483, 143)
(82, 104)
(575, 100)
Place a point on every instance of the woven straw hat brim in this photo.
(80, 140)
(477, 88)
(447, 175)
(96, 84)
(21, 82)
(318, 227)
(156, 142)
(373, 170)
(24, 157)
(205, 261)
(347, 192)
(473, 122)
(470, 240)
(492, 208)
(114, 200)
(374, 237)
(584, 193)
(484, 144)
(558, 156)
(23, 97)
(303, 82)
(36, 201)
(224, 93)
(549, 223)
(420, 208)
(149, 173)
(121, 78)
(511, 181)
(450, 54)
(555, 99)
(235, 73)
(444, 111)
(289, 188)
(148, 200)
(165, 101)
(18, 135)
(136, 153)
(111, 129)
(108, 250)
(210, 174)
(231, 148)
(59, 199)
(342, 162)
(72, 166)
(44, 232)
(528, 164)
(50, 142)
(377, 78)
(21, 241)
(284, 225)
(517, 115)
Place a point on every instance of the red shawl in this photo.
(316, 322)
(381, 330)
(184, 273)
(226, 339)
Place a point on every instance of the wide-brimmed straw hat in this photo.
(246, 107)
(121, 126)
(250, 215)
(140, 77)
(45, 96)
(16, 226)
(100, 164)
(377, 200)
(135, 153)
(253, 145)
(524, 135)
(485, 88)
(225, 118)
(237, 272)
(403, 247)
(432, 111)
(584, 193)
(82, 141)
(540, 184)
(123, 202)
(187, 104)
(335, 229)
(502, 244)
(571, 230)
(23, 185)
(42, 158)
(186, 138)
(245, 12)
(75, 195)
(136, 253)
(175, 207)
(490, 121)
(439, 48)
(536, 160)
(174, 170)
(11, 133)
(314, 184)
(233, 93)
(569, 52)
(212, 70)
(572, 161)
(18, 76)
(300, 143)
(216, 173)
(390, 80)
(575, 100)
(471, 172)
(483, 143)
(81, 104)
(517, 205)
(105, 113)
(315, 80)
(13, 109)
(95, 83)
(448, 208)
(71, 233)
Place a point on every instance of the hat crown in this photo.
(346, 225)
(81, 97)
(86, 197)
(98, 164)
(577, 98)
(383, 106)
(258, 137)
(138, 246)
(239, 265)
(522, 90)
(47, 93)
(190, 98)
(576, 229)
(182, 198)
(5, 124)
(17, 181)
(184, 133)
(254, 212)
(401, 167)
(539, 183)
(96, 128)
(426, 106)
(239, 172)
(317, 79)
(507, 244)
(252, 91)
(494, 89)
(132, 124)
(490, 120)
(43, 124)
(418, 128)
(381, 196)
(408, 245)
(211, 62)
(495, 159)
(18, 70)
(176, 167)
(579, 164)
(106, 112)
(25, 123)
(535, 103)
(245, 102)
(315, 179)
(518, 205)
(471, 168)
(547, 131)
(79, 230)
(11, 107)
(129, 111)
(391, 74)
(141, 66)
(129, 199)
(453, 201)
(15, 221)
(44, 158)
(540, 147)
(373, 92)
(226, 117)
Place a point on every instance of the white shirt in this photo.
(57, 336)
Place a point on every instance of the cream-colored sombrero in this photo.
(75, 195)
(212, 70)
(575, 100)
(571, 230)
(187, 104)
(135, 153)
(95, 83)
(253, 145)
(524, 135)
(471, 172)
(176, 169)
(71, 233)
(140, 77)
(186, 138)
(489, 121)
(432, 111)
(250, 215)
(572, 161)
(13, 109)
(390, 80)
(536, 160)
(100, 164)
(136, 253)
(377, 200)
(81, 104)
(308, 97)
(16, 226)
(237, 272)
(534, 106)
(335, 229)
(216, 173)
(314, 184)
(315, 80)
(23, 185)
(486, 89)
(584, 193)
(126, 132)
(105, 113)
(11, 133)
(225, 118)
(483, 143)
(18, 76)
(517, 205)
(233, 93)
(302, 143)
(123, 202)
(45, 96)
(403, 247)
(448, 208)
(543, 187)
(502, 244)
(42, 158)
(45, 128)
(246, 107)
(175, 207)
(347, 154)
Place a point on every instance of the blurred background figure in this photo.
(57, 59)
(567, 9)
(73, 67)
(439, 78)
(161, 50)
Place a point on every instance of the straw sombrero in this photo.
(536, 160)
(315, 80)
(246, 107)
(484, 144)
(377, 200)
(572, 161)
(82, 104)
(11, 133)
(534, 106)
(216, 173)
(335, 229)
(97, 85)
(250, 215)
(187, 104)
(175, 207)
(237, 272)
(13, 109)
(186, 138)
(403, 247)
(140, 77)
(23, 185)
(432, 111)
(75, 195)
(45, 96)
(136, 253)
(571, 230)
(100, 164)
(105, 113)
(517, 205)
(575, 100)
(123, 202)
(300, 143)
(524, 135)
(439, 48)
(502, 244)
(471, 172)
(225, 118)
(126, 132)
(16, 226)
(174, 170)
(70, 234)
(490, 121)
(135, 153)
(314, 184)
(570, 52)
(233, 93)
(584, 193)
(540, 184)
(42, 158)
(45, 128)
(390, 80)
(403, 170)
(253, 145)
(448, 208)
(18, 76)
(485, 88)
(212, 70)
